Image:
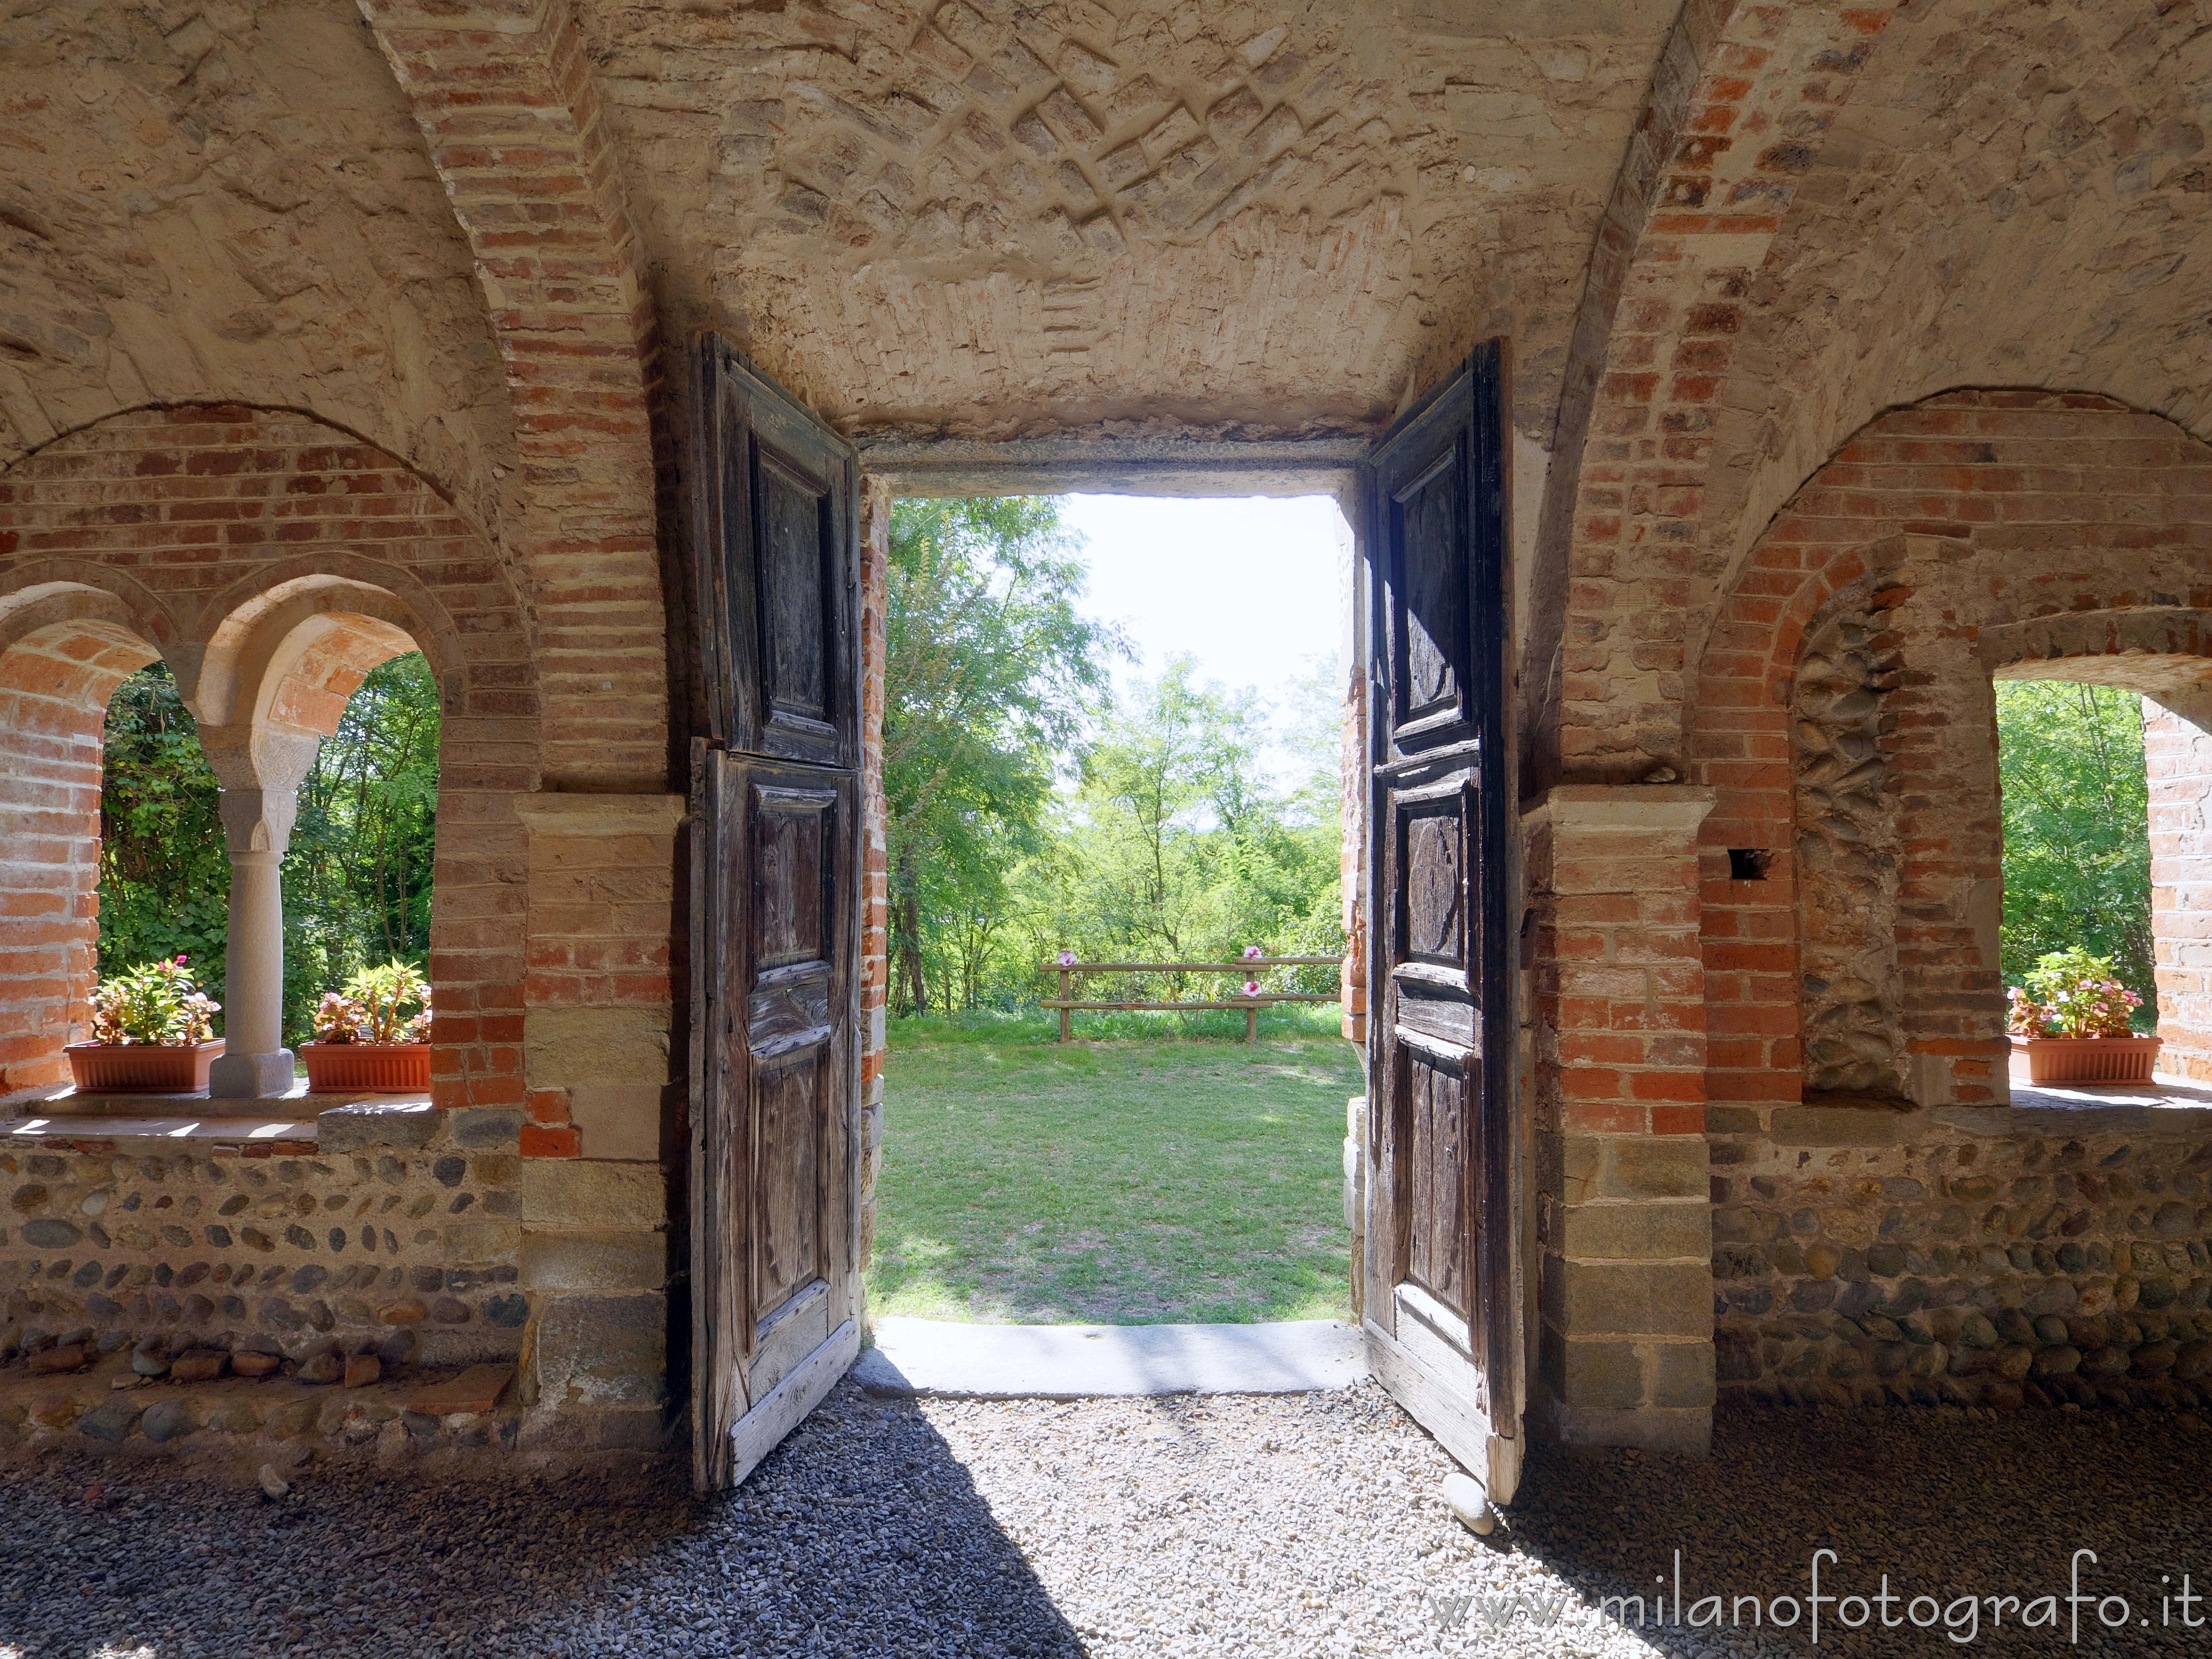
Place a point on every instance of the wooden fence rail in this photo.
(1071, 975)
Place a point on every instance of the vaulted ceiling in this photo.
(1739, 230)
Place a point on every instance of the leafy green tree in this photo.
(1179, 847)
(2076, 827)
(991, 673)
(164, 877)
(357, 873)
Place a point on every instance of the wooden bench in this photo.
(1071, 975)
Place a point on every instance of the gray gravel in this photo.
(1294, 1525)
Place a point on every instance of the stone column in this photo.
(1624, 1341)
(260, 775)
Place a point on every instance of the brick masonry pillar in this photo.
(54, 688)
(875, 898)
(594, 1246)
(596, 1024)
(1624, 1349)
(2177, 757)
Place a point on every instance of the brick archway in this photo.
(272, 560)
(1972, 531)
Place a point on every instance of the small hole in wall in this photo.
(1749, 863)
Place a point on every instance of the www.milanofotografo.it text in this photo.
(1843, 1603)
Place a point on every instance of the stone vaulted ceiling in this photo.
(992, 219)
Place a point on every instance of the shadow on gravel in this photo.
(1949, 1508)
(862, 1535)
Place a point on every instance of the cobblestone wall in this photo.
(407, 1252)
(1985, 1255)
(1847, 866)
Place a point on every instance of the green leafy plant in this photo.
(2076, 827)
(157, 1002)
(2072, 993)
(368, 1007)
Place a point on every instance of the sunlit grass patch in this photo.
(1180, 1177)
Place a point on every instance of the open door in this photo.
(1443, 1289)
(777, 871)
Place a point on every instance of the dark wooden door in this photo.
(776, 879)
(1443, 1301)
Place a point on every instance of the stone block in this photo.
(564, 1046)
(1836, 1126)
(411, 1124)
(1602, 1374)
(586, 1193)
(112, 1420)
(482, 1241)
(594, 1260)
(1651, 1231)
(603, 1350)
(485, 1128)
(1683, 1374)
(1611, 1298)
(638, 1429)
(475, 1390)
(1654, 1166)
(617, 1120)
(1685, 1433)
(168, 1419)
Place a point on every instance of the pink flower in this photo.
(1067, 958)
(1252, 953)
(1251, 987)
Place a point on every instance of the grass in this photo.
(1155, 1170)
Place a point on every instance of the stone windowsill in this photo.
(289, 1122)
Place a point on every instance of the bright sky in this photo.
(1252, 588)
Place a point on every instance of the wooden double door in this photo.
(775, 885)
(776, 893)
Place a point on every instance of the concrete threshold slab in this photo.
(941, 1359)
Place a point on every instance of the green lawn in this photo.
(1162, 1172)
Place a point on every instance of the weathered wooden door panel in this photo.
(776, 571)
(1443, 1319)
(775, 1083)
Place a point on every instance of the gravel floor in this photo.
(1261, 1526)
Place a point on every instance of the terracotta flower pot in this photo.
(2090, 1059)
(141, 1068)
(377, 1068)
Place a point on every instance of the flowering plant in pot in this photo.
(153, 1031)
(365, 1038)
(2074, 1016)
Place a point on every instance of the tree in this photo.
(1178, 847)
(357, 874)
(164, 877)
(991, 673)
(2076, 827)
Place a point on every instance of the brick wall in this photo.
(2178, 758)
(1742, 101)
(1980, 533)
(54, 683)
(510, 112)
(598, 1022)
(1624, 1322)
(217, 532)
